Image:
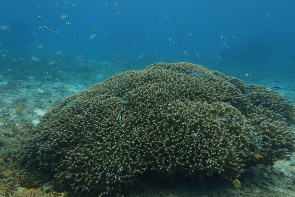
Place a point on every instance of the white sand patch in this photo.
(35, 122)
(39, 90)
(76, 89)
(40, 112)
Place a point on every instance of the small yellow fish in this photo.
(237, 183)
(184, 78)
(258, 156)
(273, 100)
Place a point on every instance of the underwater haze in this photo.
(53, 49)
(258, 35)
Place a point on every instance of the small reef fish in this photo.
(247, 75)
(61, 94)
(39, 17)
(63, 16)
(14, 61)
(223, 119)
(185, 53)
(258, 156)
(55, 12)
(222, 38)
(234, 37)
(70, 105)
(275, 88)
(92, 36)
(237, 183)
(47, 74)
(79, 57)
(94, 30)
(16, 117)
(58, 52)
(124, 101)
(52, 62)
(225, 45)
(182, 17)
(60, 72)
(34, 34)
(120, 62)
(40, 46)
(35, 58)
(50, 59)
(174, 43)
(4, 27)
(68, 23)
(273, 100)
(141, 56)
(184, 78)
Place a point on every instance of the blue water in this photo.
(259, 36)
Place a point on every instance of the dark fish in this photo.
(20, 81)
(60, 72)
(181, 16)
(94, 30)
(50, 59)
(120, 62)
(275, 88)
(47, 74)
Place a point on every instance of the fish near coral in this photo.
(236, 183)
(258, 156)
